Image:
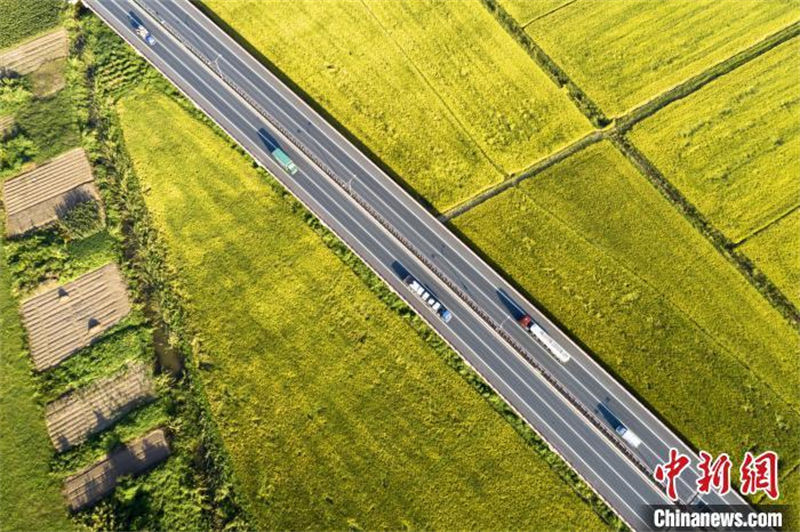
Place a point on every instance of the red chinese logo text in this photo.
(760, 474)
(669, 472)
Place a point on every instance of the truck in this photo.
(545, 339)
(429, 299)
(624, 432)
(284, 160)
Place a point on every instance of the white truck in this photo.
(624, 432)
(545, 339)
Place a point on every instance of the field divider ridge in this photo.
(347, 188)
(687, 87)
(536, 168)
(585, 105)
(721, 243)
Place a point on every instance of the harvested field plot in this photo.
(732, 148)
(438, 142)
(62, 320)
(776, 251)
(506, 103)
(624, 52)
(30, 56)
(42, 195)
(609, 257)
(335, 414)
(98, 480)
(74, 417)
(525, 11)
(23, 18)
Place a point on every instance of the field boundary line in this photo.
(723, 244)
(430, 86)
(585, 105)
(536, 168)
(686, 88)
(539, 17)
(767, 225)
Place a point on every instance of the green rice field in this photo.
(29, 494)
(334, 412)
(25, 18)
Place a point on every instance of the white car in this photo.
(146, 36)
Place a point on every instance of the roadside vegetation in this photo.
(609, 258)
(335, 412)
(29, 495)
(191, 489)
(23, 18)
(624, 52)
(732, 147)
(776, 251)
(449, 116)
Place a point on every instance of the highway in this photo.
(393, 234)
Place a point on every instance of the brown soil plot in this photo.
(35, 198)
(65, 319)
(99, 479)
(29, 56)
(72, 418)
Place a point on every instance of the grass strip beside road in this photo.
(334, 412)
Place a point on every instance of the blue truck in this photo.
(284, 160)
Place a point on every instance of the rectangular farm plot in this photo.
(65, 319)
(42, 195)
(98, 480)
(602, 250)
(340, 56)
(77, 415)
(776, 252)
(624, 52)
(504, 101)
(732, 148)
(29, 56)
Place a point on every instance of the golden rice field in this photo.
(610, 258)
(624, 52)
(437, 90)
(732, 147)
(776, 251)
(336, 415)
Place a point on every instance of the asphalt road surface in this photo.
(395, 236)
